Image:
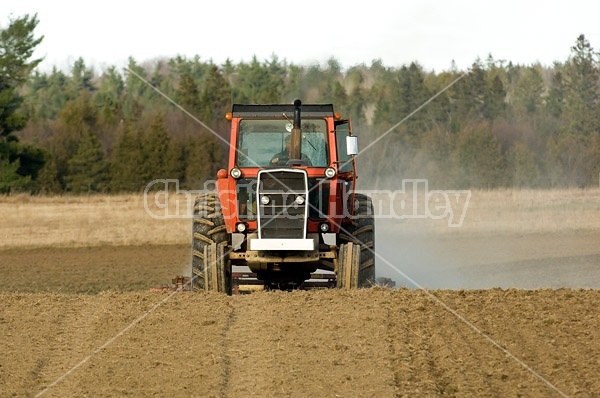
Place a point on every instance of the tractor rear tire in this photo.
(208, 229)
(217, 268)
(348, 267)
(361, 232)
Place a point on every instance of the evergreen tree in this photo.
(293, 84)
(78, 118)
(176, 160)
(88, 169)
(592, 162)
(434, 159)
(80, 114)
(582, 90)
(109, 96)
(204, 159)
(501, 124)
(127, 161)
(188, 95)
(216, 97)
(494, 99)
(528, 94)
(354, 104)
(19, 163)
(522, 168)
(405, 92)
(47, 181)
(556, 96)
(495, 92)
(580, 118)
(259, 83)
(339, 97)
(81, 77)
(414, 93)
(136, 90)
(385, 94)
(17, 44)
(438, 111)
(47, 94)
(468, 95)
(480, 161)
(566, 160)
(155, 151)
(10, 179)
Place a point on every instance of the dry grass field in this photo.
(509, 211)
(77, 221)
(122, 220)
(78, 318)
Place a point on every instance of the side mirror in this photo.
(351, 145)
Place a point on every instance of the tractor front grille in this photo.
(283, 201)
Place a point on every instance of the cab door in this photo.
(346, 167)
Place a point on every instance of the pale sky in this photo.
(432, 33)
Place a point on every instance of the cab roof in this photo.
(276, 110)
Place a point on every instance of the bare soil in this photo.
(370, 343)
(91, 269)
(82, 322)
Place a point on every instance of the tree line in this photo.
(497, 124)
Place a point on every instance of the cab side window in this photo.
(342, 131)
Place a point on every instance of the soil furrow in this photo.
(308, 344)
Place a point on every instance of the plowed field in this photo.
(81, 322)
(368, 343)
(506, 306)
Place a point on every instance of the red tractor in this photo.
(286, 207)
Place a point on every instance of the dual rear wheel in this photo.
(211, 268)
(356, 256)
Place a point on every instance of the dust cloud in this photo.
(414, 258)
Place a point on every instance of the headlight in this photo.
(265, 200)
(241, 227)
(299, 200)
(235, 173)
(330, 172)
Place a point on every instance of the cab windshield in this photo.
(262, 143)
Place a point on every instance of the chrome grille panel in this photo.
(283, 216)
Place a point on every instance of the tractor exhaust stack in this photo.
(295, 144)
